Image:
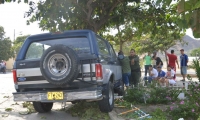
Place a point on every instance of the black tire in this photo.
(75, 102)
(107, 103)
(42, 107)
(121, 91)
(59, 65)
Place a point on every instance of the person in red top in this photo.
(172, 60)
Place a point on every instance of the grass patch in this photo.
(5, 96)
(8, 109)
(88, 111)
(29, 106)
(15, 103)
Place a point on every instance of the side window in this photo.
(103, 49)
(35, 51)
(112, 52)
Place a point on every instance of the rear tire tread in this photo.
(42, 107)
(104, 104)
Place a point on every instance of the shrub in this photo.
(196, 66)
(152, 95)
(188, 108)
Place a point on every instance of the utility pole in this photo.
(14, 34)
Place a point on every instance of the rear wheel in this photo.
(107, 103)
(42, 107)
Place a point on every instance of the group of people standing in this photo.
(168, 77)
(130, 68)
(153, 65)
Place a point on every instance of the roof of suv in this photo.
(47, 36)
(69, 33)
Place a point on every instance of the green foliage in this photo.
(184, 109)
(196, 66)
(195, 52)
(8, 109)
(17, 44)
(72, 14)
(3, 1)
(35, 50)
(29, 106)
(188, 14)
(158, 114)
(157, 33)
(188, 108)
(135, 95)
(122, 102)
(152, 95)
(88, 111)
(5, 46)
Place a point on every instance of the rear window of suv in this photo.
(36, 49)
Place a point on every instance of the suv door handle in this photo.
(22, 64)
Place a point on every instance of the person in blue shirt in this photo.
(161, 75)
(183, 64)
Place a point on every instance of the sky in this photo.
(12, 18)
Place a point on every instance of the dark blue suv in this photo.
(70, 66)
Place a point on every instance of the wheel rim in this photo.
(110, 96)
(59, 65)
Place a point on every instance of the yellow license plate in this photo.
(55, 95)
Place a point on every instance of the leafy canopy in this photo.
(188, 13)
(72, 14)
(195, 52)
(5, 46)
(17, 44)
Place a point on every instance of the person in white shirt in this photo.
(3, 64)
(153, 74)
(169, 77)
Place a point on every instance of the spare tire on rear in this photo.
(59, 65)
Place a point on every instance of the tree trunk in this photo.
(120, 37)
(121, 44)
(166, 59)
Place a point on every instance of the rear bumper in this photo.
(41, 96)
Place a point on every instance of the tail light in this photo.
(98, 70)
(14, 76)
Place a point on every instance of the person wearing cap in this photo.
(161, 75)
(126, 69)
(183, 64)
(169, 77)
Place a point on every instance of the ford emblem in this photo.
(21, 79)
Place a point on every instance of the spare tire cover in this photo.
(59, 65)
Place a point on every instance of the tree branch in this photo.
(90, 9)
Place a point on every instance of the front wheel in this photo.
(42, 107)
(107, 103)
